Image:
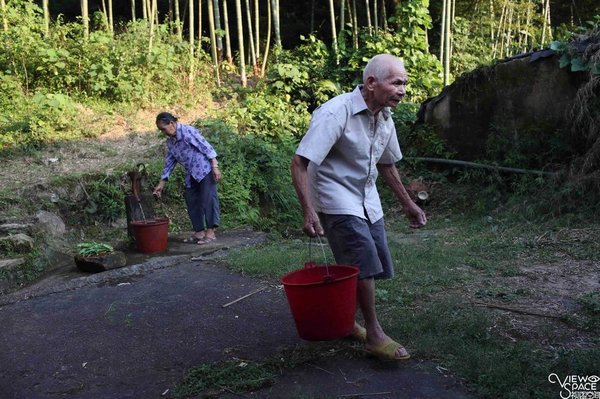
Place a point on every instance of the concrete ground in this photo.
(134, 332)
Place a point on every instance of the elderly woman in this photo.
(185, 145)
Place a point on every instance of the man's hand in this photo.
(415, 215)
(312, 225)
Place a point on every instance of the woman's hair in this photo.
(165, 118)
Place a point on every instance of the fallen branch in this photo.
(516, 310)
(482, 166)
(246, 296)
(360, 395)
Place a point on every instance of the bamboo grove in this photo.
(501, 27)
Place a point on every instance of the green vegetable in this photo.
(93, 248)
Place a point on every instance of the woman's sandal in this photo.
(193, 239)
(206, 240)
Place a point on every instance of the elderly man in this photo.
(350, 141)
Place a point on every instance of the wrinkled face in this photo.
(391, 90)
(170, 129)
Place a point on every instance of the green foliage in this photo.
(256, 187)
(105, 199)
(417, 139)
(576, 52)
(42, 77)
(93, 248)
(233, 376)
(424, 70)
(470, 49)
(261, 114)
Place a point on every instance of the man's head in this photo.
(166, 123)
(384, 82)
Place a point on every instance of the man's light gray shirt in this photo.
(344, 143)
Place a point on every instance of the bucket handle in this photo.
(311, 263)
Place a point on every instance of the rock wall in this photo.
(527, 93)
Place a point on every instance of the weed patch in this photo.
(231, 376)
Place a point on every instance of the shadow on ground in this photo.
(134, 332)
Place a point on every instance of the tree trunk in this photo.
(191, 26)
(153, 7)
(443, 30)
(199, 24)
(375, 15)
(384, 15)
(217, 16)
(268, 42)
(275, 11)
(46, 18)
(111, 25)
(250, 35)
(527, 22)
(105, 15)
(342, 15)
(447, 44)
(547, 23)
(368, 9)
(191, 41)
(145, 9)
(4, 18)
(497, 43)
(177, 20)
(354, 24)
(257, 31)
(85, 17)
(334, 43)
(240, 31)
(133, 10)
(213, 41)
(227, 35)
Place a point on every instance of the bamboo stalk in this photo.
(482, 166)
(268, 43)
(250, 34)
(227, 35)
(334, 43)
(3, 12)
(213, 43)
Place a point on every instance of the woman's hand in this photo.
(216, 173)
(158, 189)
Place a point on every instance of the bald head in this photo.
(380, 66)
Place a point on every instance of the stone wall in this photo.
(528, 93)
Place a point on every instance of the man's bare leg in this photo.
(366, 302)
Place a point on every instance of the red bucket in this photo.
(322, 300)
(151, 235)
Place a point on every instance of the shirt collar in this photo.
(178, 133)
(359, 105)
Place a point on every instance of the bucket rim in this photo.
(354, 273)
(151, 222)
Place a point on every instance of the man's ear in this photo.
(370, 82)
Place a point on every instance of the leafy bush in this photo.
(256, 187)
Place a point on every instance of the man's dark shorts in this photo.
(357, 242)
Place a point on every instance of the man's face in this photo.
(391, 90)
(169, 129)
